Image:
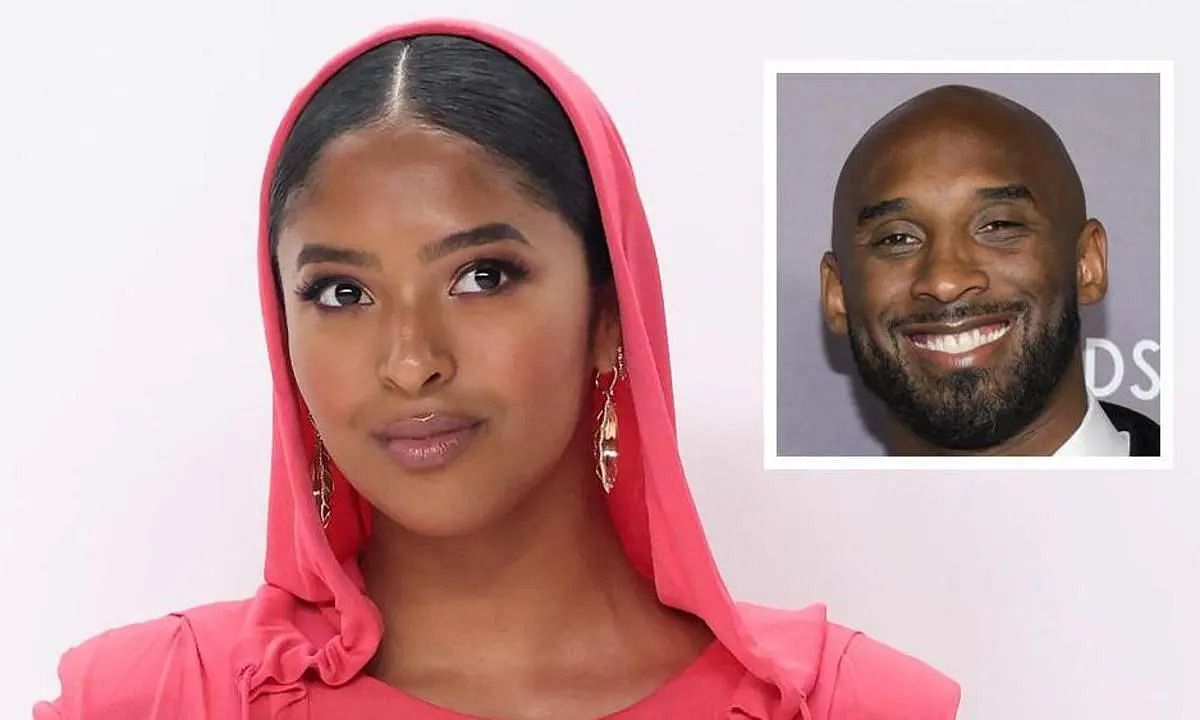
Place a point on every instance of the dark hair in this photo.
(465, 87)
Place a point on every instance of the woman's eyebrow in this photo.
(482, 235)
(316, 253)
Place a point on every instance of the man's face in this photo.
(958, 278)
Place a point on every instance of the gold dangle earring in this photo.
(606, 429)
(322, 480)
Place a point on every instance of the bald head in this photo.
(957, 129)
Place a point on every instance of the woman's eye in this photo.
(342, 294)
(484, 277)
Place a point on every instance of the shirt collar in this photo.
(1095, 436)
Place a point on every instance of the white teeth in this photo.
(963, 342)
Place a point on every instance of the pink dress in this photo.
(298, 648)
(707, 683)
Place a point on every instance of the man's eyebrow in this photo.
(1007, 192)
(895, 205)
(881, 208)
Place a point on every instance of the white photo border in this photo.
(1166, 77)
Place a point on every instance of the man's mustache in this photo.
(960, 311)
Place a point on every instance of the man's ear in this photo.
(606, 327)
(1091, 262)
(833, 299)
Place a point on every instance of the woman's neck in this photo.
(545, 590)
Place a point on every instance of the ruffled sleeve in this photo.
(150, 671)
(875, 682)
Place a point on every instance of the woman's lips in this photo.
(428, 442)
(959, 346)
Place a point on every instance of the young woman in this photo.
(477, 508)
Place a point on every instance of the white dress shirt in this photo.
(1095, 436)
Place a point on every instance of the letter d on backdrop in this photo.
(1089, 366)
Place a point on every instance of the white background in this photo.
(134, 383)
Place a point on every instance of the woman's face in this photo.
(439, 326)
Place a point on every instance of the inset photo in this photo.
(965, 260)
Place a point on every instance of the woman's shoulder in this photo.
(850, 675)
(864, 679)
(152, 669)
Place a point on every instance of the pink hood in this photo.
(651, 507)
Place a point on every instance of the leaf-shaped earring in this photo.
(606, 428)
(322, 480)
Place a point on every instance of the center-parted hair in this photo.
(464, 87)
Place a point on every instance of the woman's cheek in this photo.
(333, 373)
(525, 356)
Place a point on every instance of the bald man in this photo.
(961, 252)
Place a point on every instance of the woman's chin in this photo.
(450, 510)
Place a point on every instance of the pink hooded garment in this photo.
(297, 649)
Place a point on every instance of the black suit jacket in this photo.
(1143, 432)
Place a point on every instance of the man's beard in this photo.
(972, 408)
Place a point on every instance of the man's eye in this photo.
(896, 240)
(999, 225)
